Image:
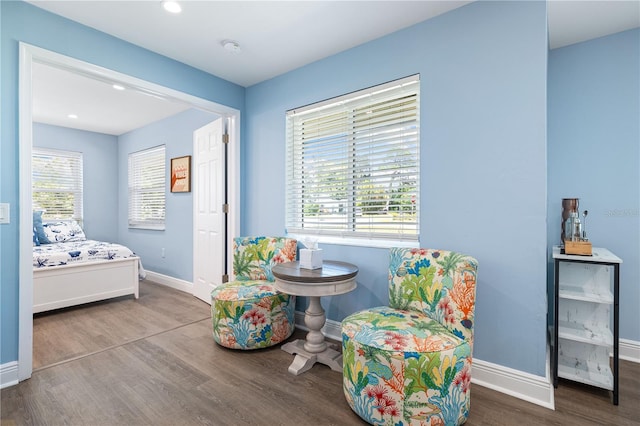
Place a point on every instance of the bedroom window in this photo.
(147, 179)
(57, 183)
(353, 166)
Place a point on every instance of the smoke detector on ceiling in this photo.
(231, 46)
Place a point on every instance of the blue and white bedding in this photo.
(75, 252)
(63, 243)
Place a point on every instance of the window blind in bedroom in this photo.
(147, 179)
(56, 179)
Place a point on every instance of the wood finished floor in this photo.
(153, 362)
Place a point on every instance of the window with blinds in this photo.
(147, 179)
(353, 165)
(57, 183)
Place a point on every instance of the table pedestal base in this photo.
(304, 359)
(334, 278)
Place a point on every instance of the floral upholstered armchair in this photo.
(410, 363)
(249, 313)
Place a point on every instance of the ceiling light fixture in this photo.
(72, 116)
(172, 6)
(118, 87)
(231, 46)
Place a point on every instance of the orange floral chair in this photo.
(410, 363)
(249, 313)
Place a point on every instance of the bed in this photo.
(70, 270)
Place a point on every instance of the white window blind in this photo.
(57, 183)
(353, 164)
(147, 188)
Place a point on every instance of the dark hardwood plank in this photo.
(154, 362)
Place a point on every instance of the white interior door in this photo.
(209, 217)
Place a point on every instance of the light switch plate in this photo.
(4, 212)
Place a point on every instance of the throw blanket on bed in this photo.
(74, 252)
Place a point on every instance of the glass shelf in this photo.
(584, 371)
(586, 334)
(586, 294)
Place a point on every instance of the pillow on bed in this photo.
(36, 241)
(59, 232)
(39, 236)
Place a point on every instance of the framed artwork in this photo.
(181, 174)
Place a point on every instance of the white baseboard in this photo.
(8, 374)
(528, 387)
(629, 350)
(172, 282)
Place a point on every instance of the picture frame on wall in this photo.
(181, 174)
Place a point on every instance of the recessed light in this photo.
(231, 46)
(72, 116)
(118, 87)
(172, 6)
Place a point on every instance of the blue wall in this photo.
(22, 22)
(176, 133)
(594, 152)
(483, 157)
(100, 184)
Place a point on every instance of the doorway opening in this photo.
(30, 55)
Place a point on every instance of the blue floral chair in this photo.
(249, 313)
(410, 363)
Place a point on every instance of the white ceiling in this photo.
(99, 107)
(275, 37)
(574, 21)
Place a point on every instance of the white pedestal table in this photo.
(332, 279)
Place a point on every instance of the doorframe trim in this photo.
(28, 54)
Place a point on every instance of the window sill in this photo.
(148, 227)
(357, 242)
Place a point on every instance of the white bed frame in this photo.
(70, 285)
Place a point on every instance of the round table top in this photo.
(331, 270)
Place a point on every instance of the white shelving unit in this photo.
(586, 318)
